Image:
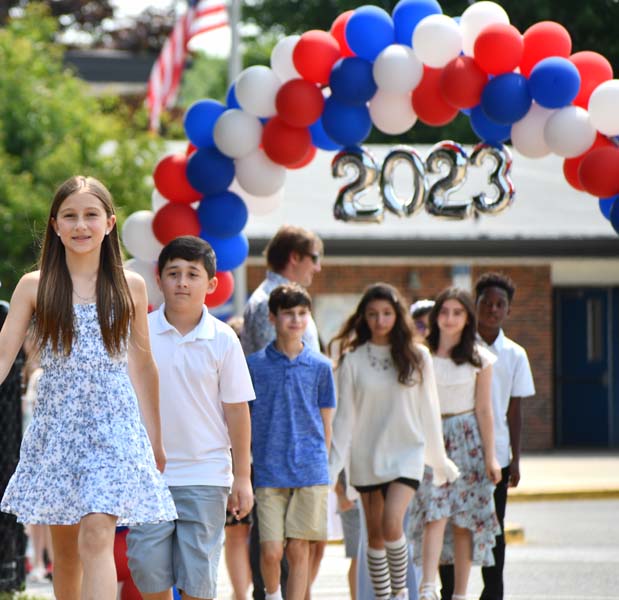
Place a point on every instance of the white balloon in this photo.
(437, 39)
(148, 270)
(237, 133)
(397, 69)
(392, 113)
(255, 89)
(477, 17)
(604, 107)
(569, 131)
(528, 133)
(258, 205)
(259, 175)
(138, 237)
(281, 58)
(157, 201)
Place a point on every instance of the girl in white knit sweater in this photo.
(387, 422)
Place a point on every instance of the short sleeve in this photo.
(487, 357)
(522, 384)
(235, 384)
(326, 388)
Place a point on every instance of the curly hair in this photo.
(465, 350)
(493, 279)
(355, 332)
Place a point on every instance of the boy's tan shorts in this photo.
(299, 513)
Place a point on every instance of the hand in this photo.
(493, 470)
(241, 499)
(160, 457)
(514, 473)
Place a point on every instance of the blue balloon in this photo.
(231, 101)
(351, 81)
(614, 216)
(199, 122)
(506, 98)
(176, 593)
(369, 31)
(231, 252)
(320, 139)
(487, 130)
(222, 215)
(209, 171)
(347, 125)
(407, 14)
(606, 204)
(554, 82)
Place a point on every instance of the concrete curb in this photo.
(563, 494)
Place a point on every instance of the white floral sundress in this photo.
(86, 449)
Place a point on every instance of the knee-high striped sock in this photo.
(397, 557)
(379, 573)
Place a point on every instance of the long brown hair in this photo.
(465, 350)
(356, 332)
(54, 310)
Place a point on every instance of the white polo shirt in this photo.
(511, 377)
(198, 372)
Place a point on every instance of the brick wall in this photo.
(530, 323)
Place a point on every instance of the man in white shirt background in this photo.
(511, 381)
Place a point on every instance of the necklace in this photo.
(379, 363)
(87, 298)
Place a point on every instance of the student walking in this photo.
(291, 434)
(86, 462)
(457, 522)
(205, 387)
(387, 420)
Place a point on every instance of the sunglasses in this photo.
(315, 256)
(421, 326)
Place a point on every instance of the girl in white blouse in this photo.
(387, 417)
(457, 520)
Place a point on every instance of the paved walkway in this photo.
(545, 476)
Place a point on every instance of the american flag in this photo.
(165, 76)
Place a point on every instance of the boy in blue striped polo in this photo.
(291, 434)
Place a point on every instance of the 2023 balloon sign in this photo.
(434, 181)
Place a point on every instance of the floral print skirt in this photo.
(468, 502)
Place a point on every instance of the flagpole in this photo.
(234, 68)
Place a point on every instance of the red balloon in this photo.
(306, 160)
(171, 180)
(130, 591)
(299, 103)
(599, 172)
(594, 69)
(174, 220)
(338, 29)
(314, 55)
(542, 40)
(428, 102)
(223, 291)
(120, 555)
(498, 48)
(571, 165)
(283, 144)
(190, 149)
(462, 82)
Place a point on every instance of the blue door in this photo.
(586, 371)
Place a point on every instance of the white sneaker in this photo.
(401, 595)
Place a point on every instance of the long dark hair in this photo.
(465, 350)
(356, 332)
(54, 309)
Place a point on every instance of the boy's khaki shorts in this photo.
(298, 513)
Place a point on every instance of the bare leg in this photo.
(96, 548)
(236, 551)
(165, 595)
(462, 559)
(270, 558)
(297, 553)
(316, 552)
(398, 498)
(352, 578)
(67, 564)
(431, 551)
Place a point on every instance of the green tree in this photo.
(51, 128)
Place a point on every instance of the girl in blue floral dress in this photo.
(456, 521)
(87, 462)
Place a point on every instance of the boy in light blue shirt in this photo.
(291, 434)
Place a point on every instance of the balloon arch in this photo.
(326, 89)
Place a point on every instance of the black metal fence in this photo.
(12, 537)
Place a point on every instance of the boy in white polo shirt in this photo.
(511, 381)
(204, 390)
